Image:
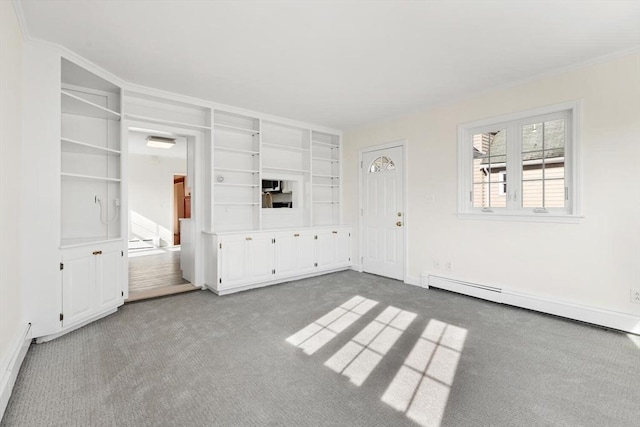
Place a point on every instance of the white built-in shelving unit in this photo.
(91, 255)
(90, 157)
(236, 172)
(248, 150)
(325, 159)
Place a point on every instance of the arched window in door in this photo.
(382, 163)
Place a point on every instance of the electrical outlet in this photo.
(635, 295)
(436, 264)
(449, 266)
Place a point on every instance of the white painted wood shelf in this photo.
(160, 121)
(284, 147)
(87, 177)
(72, 104)
(72, 146)
(221, 126)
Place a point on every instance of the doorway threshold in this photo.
(161, 291)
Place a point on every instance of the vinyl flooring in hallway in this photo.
(155, 272)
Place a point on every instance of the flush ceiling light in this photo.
(160, 142)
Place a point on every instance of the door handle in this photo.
(399, 223)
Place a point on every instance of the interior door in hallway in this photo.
(382, 212)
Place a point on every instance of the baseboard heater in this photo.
(466, 288)
(597, 316)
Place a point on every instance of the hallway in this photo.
(155, 272)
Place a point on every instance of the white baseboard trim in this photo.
(413, 280)
(357, 267)
(240, 288)
(597, 316)
(11, 363)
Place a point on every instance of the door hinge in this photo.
(61, 317)
(471, 196)
(220, 245)
(61, 266)
(349, 234)
(315, 264)
(121, 253)
(349, 258)
(220, 280)
(360, 164)
(315, 237)
(273, 271)
(121, 293)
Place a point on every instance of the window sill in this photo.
(521, 217)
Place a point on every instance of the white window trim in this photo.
(573, 212)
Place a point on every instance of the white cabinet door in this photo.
(326, 252)
(342, 246)
(108, 278)
(78, 285)
(307, 253)
(286, 254)
(295, 253)
(234, 265)
(91, 281)
(261, 248)
(334, 248)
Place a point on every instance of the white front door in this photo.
(382, 212)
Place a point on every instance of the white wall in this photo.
(12, 319)
(151, 195)
(594, 263)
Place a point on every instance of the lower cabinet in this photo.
(334, 248)
(237, 261)
(245, 258)
(91, 281)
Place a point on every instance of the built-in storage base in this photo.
(91, 282)
(244, 260)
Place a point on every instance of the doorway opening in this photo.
(159, 202)
(181, 205)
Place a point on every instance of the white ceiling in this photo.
(335, 63)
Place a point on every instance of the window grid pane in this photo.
(489, 167)
(543, 147)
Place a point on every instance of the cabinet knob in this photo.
(97, 252)
(334, 232)
(296, 235)
(248, 238)
(399, 223)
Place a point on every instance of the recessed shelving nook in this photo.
(90, 157)
(236, 170)
(325, 158)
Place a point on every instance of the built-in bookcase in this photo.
(249, 150)
(325, 158)
(90, 157)
(236, 172)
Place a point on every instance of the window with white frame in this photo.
(523, 164)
